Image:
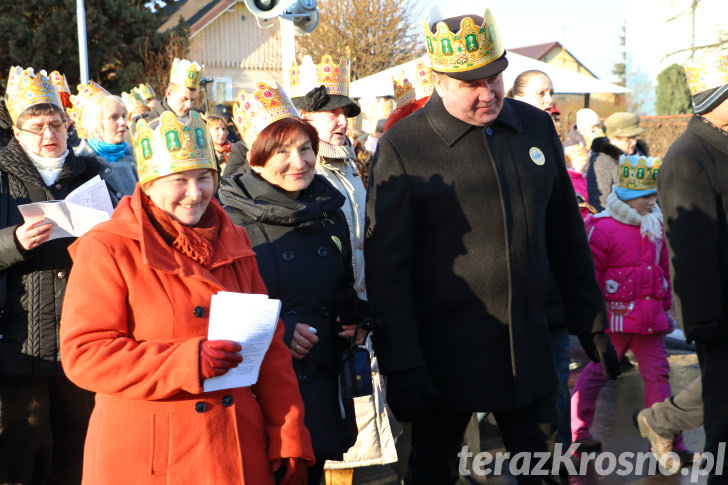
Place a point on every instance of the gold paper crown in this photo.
(171, 147)
(708, 73)
(256, 110)
(575, 152)
(404, 90)
(145, 91)
(469, 48)
(638, 173)
(132, 100)
(88, 95)
(186, 73)
(26, 89)
(309, 75)
(59, 81)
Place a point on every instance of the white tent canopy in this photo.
(565, 81)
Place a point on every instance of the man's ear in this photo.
(304, 114)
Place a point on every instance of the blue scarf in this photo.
(110, 151)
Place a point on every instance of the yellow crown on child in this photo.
(169, 146)
(132, 100)
(574, 153)
(469, 48)
(26, 88)
(59, 81)
(145, 91)
(186, 73)
(255, 111)
(638, 172)
(335, 77)
(707, 73)
(88, 95)
(406, 92)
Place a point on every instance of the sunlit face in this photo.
(331, 125)
(113, 123)
(183, 196)
(181, 99)
(643, 205)
(475, 102)
(292, 168)
(538, 92)
(43, 135)
(218, 133)
(626, 144)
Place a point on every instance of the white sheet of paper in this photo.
(250, 320)
(82, 209)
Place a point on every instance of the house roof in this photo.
(197, 13)
(539, 51)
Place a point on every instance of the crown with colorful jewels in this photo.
(132, 100)
(707, 73)
(171, 146)
(88, 95)
(574, 153)
(469, 48)
(26, 89)
(186, 73)
(404, 90)
(145, 91)
(59, 81)
(254, 111)
(638, 172)
(309, 75)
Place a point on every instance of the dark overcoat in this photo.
(304, 256)
(693, 192)
(464, 224)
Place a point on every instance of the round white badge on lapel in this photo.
(537, 156)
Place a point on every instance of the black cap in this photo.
(318, 99)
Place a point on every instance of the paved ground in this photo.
(613, 426)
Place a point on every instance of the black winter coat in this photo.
(304, 256)
(693, 191)
(36, 282)
(464, 224)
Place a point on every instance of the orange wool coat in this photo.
(133, 318)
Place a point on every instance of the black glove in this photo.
(407, 394)
(599, 348)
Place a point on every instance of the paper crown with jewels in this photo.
(132, 100)
(186, 73)
(707, 73)
(26, 88)
(59, 81)
(575, 153)
(145, 91)
(335, 77)
(88, 95)
(406, 91)
(638, 172)
(168, 146)
(469, 48)
(254, 111)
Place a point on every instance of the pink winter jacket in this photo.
(634, 275)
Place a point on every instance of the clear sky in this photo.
(589, 29)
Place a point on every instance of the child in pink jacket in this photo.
(632, 268)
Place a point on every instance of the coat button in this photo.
(322, 252)
(200, 407)
(489, 130)
(324, 312)
(227, 401)
(59, 186)
(288, 255)
(119, 195)
(302, 377)
(649, 267)
(647, 298)
(199, 312)
(61, 274)
(107, 170)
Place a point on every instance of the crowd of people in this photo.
(458, 247)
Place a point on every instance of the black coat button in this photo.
(322, 251)
(227, 401)
(324, 312)
(200, 407)
(199, 312)
(302, 377)
(288, 255)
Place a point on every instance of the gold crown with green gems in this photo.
(186, 73)
(638, 173)
(469, 48)
(169, 146)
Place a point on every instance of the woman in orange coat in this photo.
(133, 330)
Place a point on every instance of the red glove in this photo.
(296, 471)
(218, 356)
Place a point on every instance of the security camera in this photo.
(305, 16)
(268, 9)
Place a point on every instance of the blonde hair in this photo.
(93, 116)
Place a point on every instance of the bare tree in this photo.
(158, 60)
(372, 34)
(692, 12)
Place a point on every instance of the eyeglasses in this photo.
(55, 127)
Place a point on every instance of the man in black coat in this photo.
(470, 209)
(693, 193)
